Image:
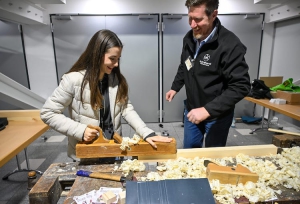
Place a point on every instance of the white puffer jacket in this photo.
(67, 94)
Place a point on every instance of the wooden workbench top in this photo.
(49, 187)
(289, 110)
(24, 126)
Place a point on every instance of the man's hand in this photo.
(170, 95)
(153, 139)
(90, 134)
(197, 115)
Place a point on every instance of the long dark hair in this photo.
(91, 60)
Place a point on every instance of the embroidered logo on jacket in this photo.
(205, 59)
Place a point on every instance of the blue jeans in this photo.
(216, 132)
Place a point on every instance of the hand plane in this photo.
(102, 147)
(228, 174)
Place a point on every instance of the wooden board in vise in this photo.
(108, 148)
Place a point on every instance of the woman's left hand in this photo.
(158, 138)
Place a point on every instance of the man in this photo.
(215, 75)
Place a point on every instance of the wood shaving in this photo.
(273, 170)
(127, 141)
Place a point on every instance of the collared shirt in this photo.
(200, 44)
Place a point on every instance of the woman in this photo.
(96, 93)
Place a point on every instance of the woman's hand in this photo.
(90, 134)
(158, 138)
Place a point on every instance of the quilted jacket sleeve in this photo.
(52, 111)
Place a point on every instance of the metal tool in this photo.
(206, 162)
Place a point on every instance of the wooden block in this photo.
(109, 197)
(292, 98)
(272, 80)
(122, 197)
(214, 152)
(230, 175)
(50, 185)
(286, 140)
(46, 190)
(96, 150)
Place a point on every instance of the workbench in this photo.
(24, 126)
(61, 176)
(289, 110)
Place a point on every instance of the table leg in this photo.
(262, 122)
(19, 167)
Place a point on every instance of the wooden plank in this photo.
(96, 150)
(215, 152)
(23, 128)
(48, 188)
(283, 131)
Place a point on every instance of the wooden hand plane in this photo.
(230, 175)
(102, 147)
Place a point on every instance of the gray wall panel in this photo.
(286, 60)
(71, 38)
(139, 61)
(12, 61)
(174, 31)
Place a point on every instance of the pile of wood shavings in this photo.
(127, 141)
(273, 170)
(132, 165)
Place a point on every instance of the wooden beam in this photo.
(216, 152)
(283, 131)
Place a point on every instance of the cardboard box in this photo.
(290, 97)
(274, 94)
(272, 81)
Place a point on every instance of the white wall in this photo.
(38, 38)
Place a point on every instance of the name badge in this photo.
(189, 63)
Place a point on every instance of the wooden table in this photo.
(50, 186)
(24, 126)
(292, 111)
(289, 110)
